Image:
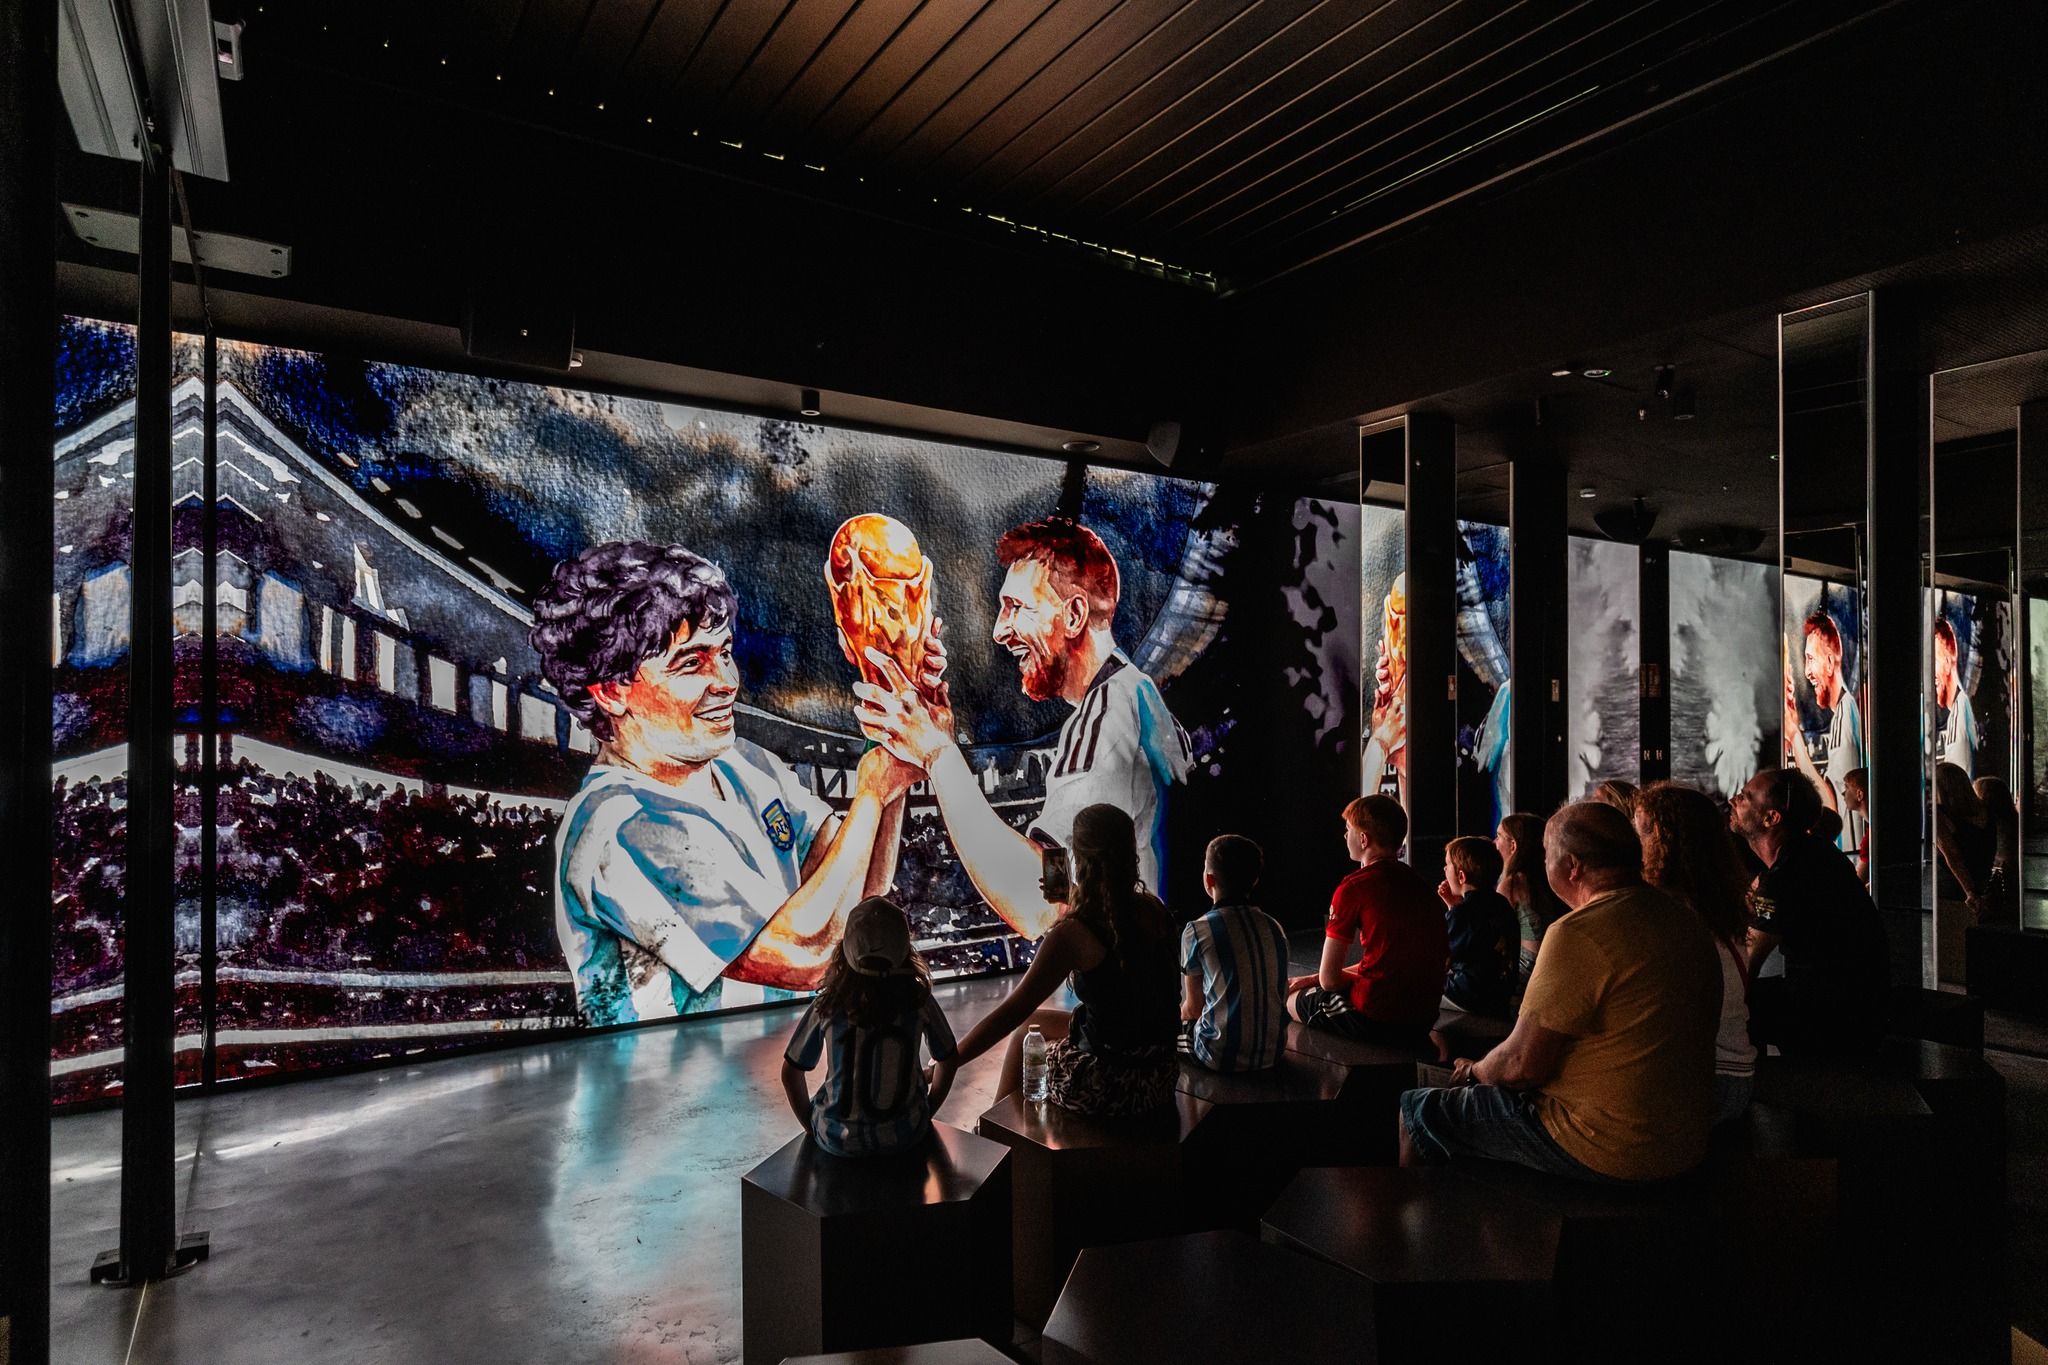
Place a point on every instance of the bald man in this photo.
(1608, 1076)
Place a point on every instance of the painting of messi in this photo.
(543, 709)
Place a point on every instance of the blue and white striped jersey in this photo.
(1240, 953)
(874, 1097)
(1121, 748)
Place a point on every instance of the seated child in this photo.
(871, 1009)
(1234, 965)
(1482, 927)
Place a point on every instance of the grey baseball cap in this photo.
(877, 938)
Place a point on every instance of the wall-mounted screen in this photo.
(1383, 599)
(1485, 734)
(1603, 732)
(537, 707)
(1974, 655)
(1727, 681)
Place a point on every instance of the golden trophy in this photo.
(881, 585)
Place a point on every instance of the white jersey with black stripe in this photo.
(1123, 748)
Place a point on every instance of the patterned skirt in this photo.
(1120, 1086)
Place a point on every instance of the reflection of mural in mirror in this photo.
(1383, 603)
(1823, 698)
(1973, 660)
(2037, 690)
(1603, 732)
(1485, 737)
(1726, 689)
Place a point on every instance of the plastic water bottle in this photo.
(1034, 1064)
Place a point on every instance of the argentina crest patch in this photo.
(780, 827)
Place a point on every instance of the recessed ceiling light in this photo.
(1596, 373)
(1080, 447)
(1588, 493)
(1563, 373)
(809, 405)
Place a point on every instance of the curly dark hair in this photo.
(616, 605)
(1690, 856)
(1107, 895)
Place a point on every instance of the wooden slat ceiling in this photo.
(1230, 139)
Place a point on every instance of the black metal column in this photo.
(28, 345)
(1893, 665)
(2031, 497)
(1431, 472)
(1539, 622)
(148, 1203)
(1653, 633)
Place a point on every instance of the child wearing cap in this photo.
(872, 1008)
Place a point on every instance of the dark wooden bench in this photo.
(1210, 1298)
(1455, 1271)
(840, 1254)
(1081, 1182)
(1458, 1034)
(1374, 1074)
(930, 1353)
(2007, 967)
(1936, 1016)
(1261, 1127)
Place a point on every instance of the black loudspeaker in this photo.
(520, 317)
(1630, 524)
(1163, 441)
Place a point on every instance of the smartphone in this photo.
(1055, 878)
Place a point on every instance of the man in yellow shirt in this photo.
(1609, 1074)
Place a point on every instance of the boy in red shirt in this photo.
(1393, 991)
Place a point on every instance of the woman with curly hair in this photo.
(1523, 884)
(1689, 855)
(1115, 1054)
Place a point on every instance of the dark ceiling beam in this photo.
(1907, 137)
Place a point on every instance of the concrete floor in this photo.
(573, 1201)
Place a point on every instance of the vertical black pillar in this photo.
(1539, 619)
(148, 1208)
(209, 716)
(1892, 658)
(1431, 473)
(2031, 497)
(1653, 634)
(28, 347)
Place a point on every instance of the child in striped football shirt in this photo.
(1234, 959)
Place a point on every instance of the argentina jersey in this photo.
(1121, 748)
(660, 886)
(874, 1097)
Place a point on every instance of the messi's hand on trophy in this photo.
(899, 718)
(932, 679)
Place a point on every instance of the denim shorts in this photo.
(1493, 1124)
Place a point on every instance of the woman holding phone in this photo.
(1114, 1055)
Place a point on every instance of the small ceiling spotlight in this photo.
(575, 360)
(1596, 372)
(1562, 372)
(1589, 493)
(1079, 446)
(810, 406)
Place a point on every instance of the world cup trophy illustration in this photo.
(882, 593)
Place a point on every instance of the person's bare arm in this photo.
(1524, 1060)
(1761, 946)
(1191, 998)
(1952, 856)
(1057, 955)
(793, 947)
(797, 1087)
(881, 879)
(1003, 864)
(1330, 975)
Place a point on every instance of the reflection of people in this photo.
(1957, 743)
(689, 855)
(1844, 740)
(873, 1008)
(1121, 746)
(1966, 837)
(1392, 993)
(1386, 736)
(1115, 1055)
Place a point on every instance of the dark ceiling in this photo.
(1212, 141)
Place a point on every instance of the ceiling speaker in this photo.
(1630, 524)
(1163, 441)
